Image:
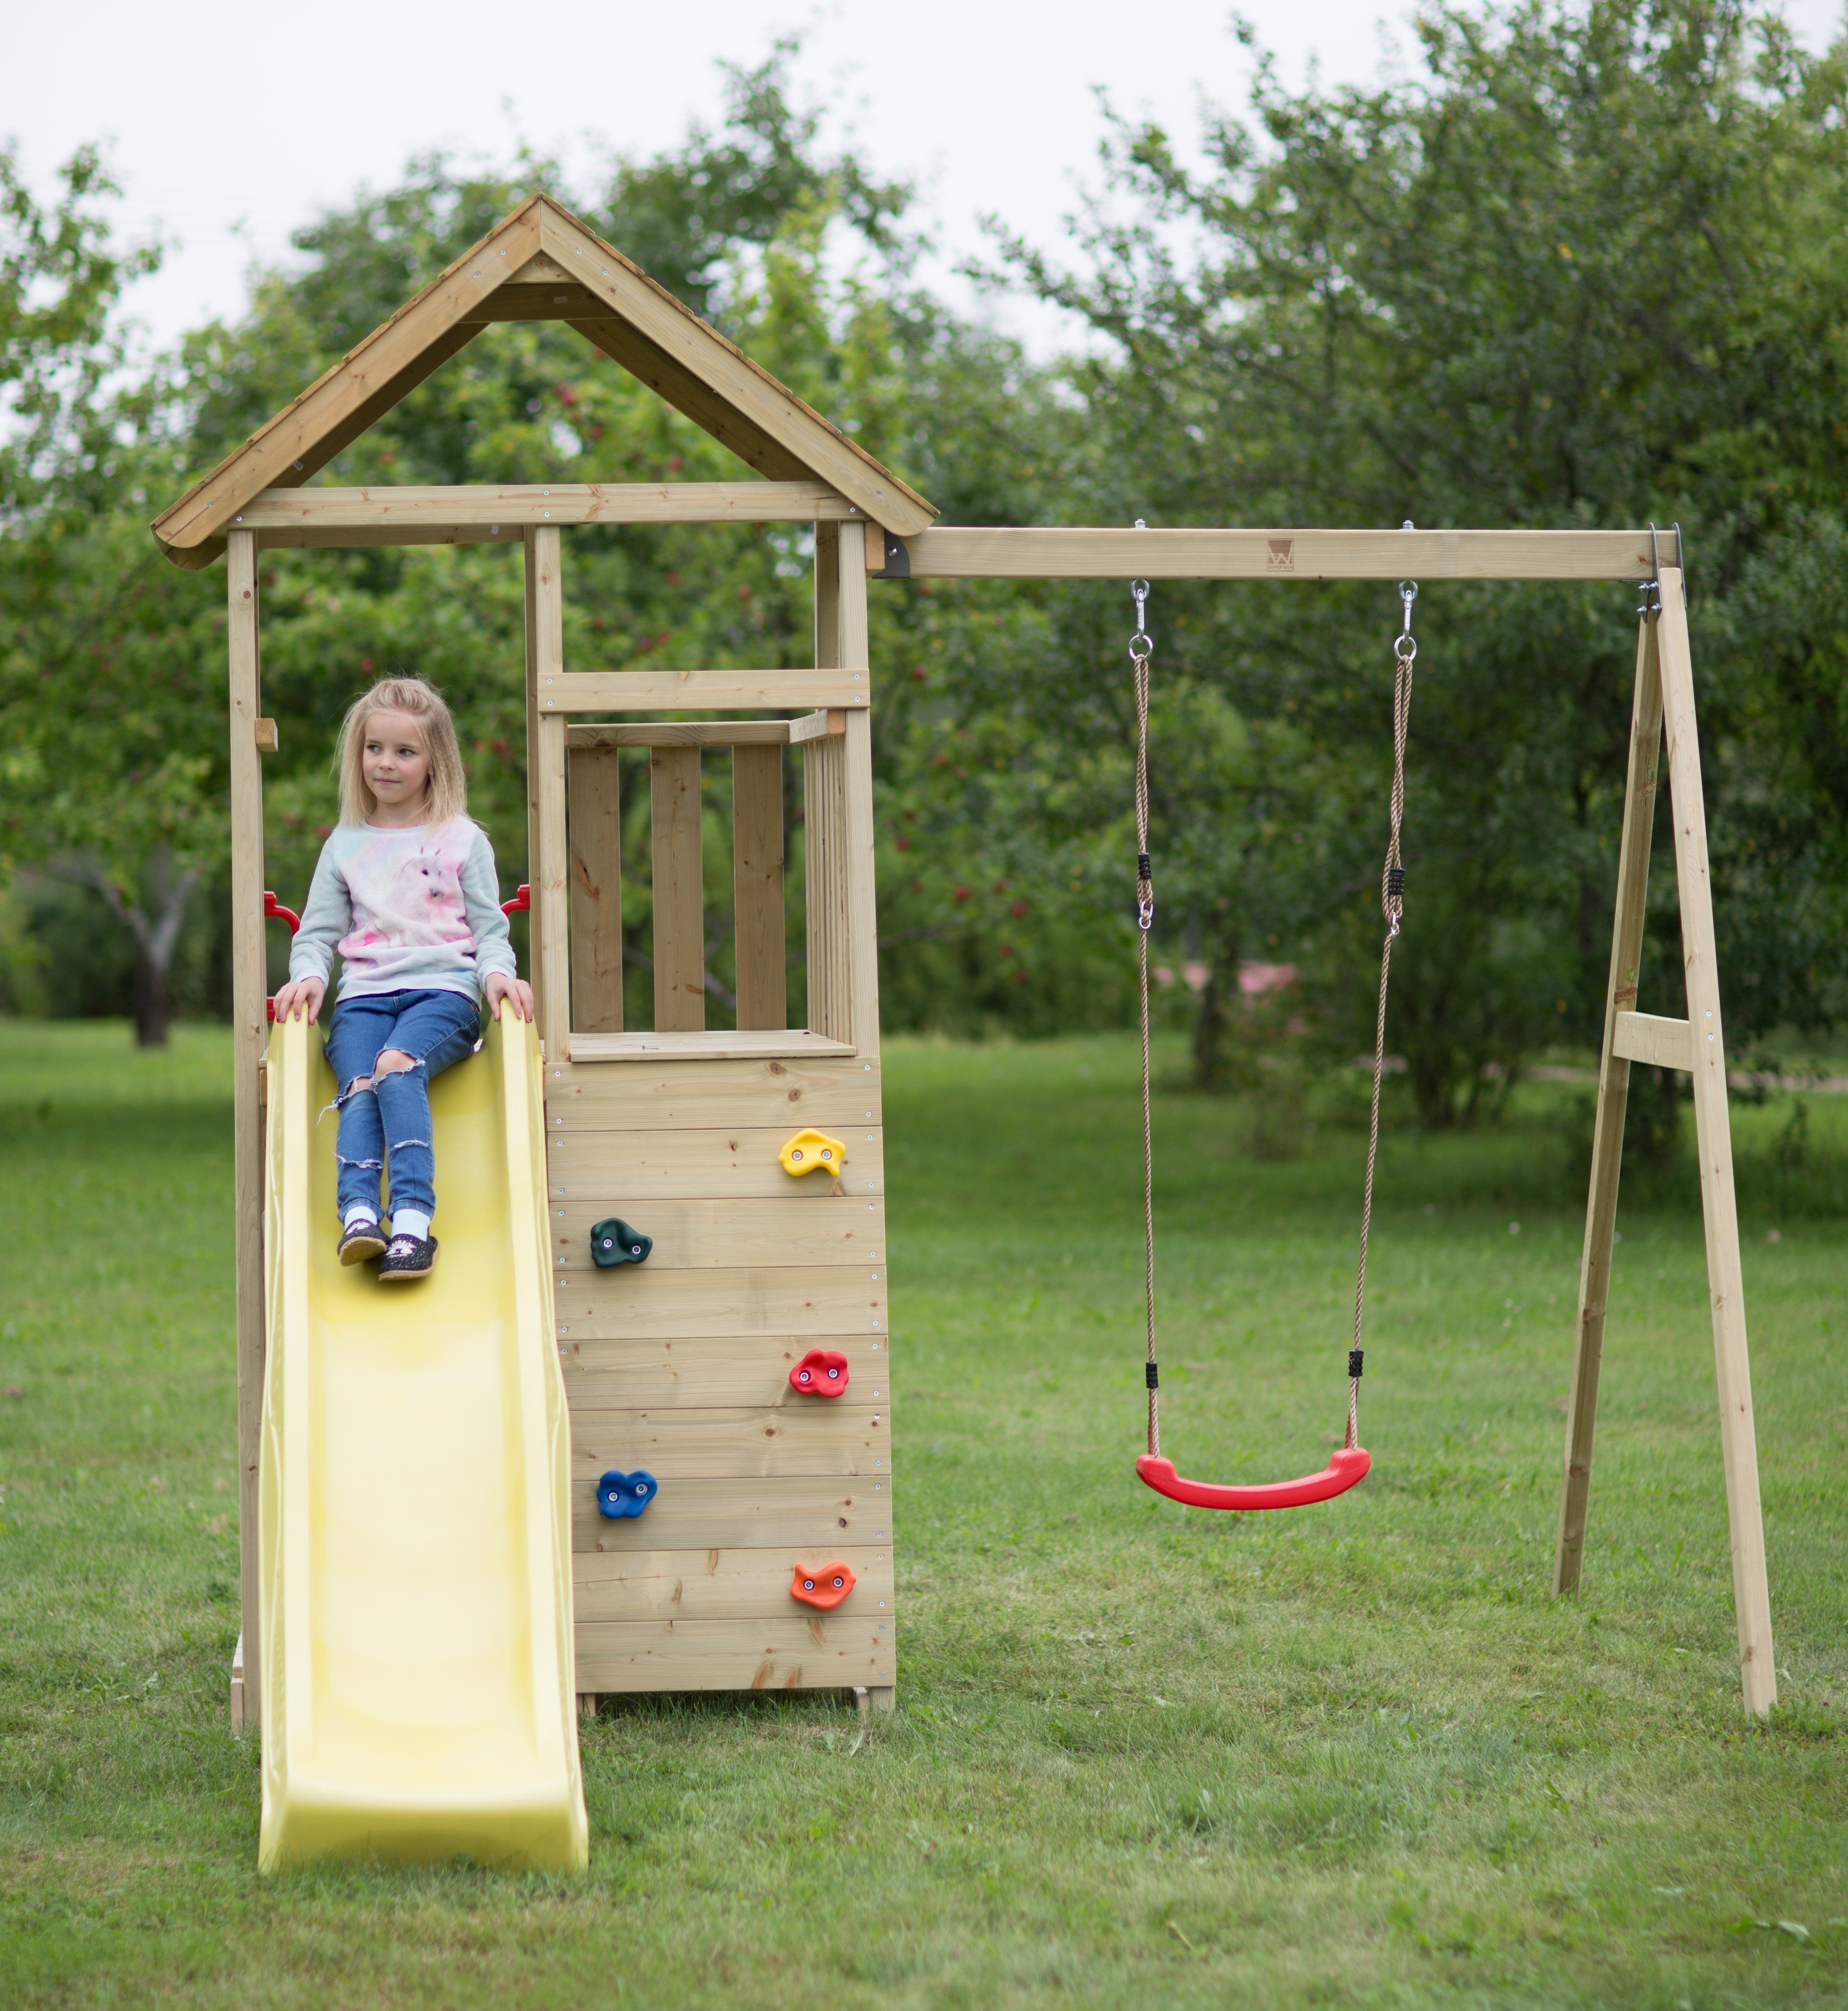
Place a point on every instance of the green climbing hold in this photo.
(613, 1242)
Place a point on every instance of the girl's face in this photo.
(396, 765)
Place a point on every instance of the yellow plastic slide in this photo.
(416, 1666)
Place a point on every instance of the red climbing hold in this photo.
(823, 1587)
(820, 1372)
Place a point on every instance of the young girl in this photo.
(406, 890)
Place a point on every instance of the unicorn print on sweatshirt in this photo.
(412, 908)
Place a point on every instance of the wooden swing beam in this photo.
(318, 518)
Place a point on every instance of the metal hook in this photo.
(1406, 644)
(1141, 644)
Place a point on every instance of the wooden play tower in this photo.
(681, 1365)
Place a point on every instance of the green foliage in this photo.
(60, 280)
(531, 402)
(111, 709)
(1576, 273)
(1581, 268)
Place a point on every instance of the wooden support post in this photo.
(680, 891)
(757, 886)
(595, 816)
(1613, 1098)
(824, 810)
(856, 864)
(1751, 1591)
(547, 845)
(249, 987)
(827, 596)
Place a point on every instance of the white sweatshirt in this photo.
(412, 910)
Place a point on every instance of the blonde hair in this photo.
(446, 790)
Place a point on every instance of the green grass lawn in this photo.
(1143, 1755)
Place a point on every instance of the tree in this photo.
(798, 251)
(75, 795)
(1587, 269)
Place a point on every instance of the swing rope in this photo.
(1351, 1464)
(1392, 905)
(1141, 647)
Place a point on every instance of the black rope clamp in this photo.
(1354, 1358)
(1395, 883)
(1154, 1380)
(1145, 869)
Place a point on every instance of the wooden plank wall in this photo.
(757, 846)
(680, 1365)
(680, 892)
(595, 820)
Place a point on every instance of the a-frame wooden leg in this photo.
(1751, 1593)
(1613, 1099)
(1664, 700)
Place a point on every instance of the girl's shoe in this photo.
(361, 1243)
(408, 1256)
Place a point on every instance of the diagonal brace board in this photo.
(1664, 700)
(1613, 1098)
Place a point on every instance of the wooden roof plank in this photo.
(647, 306)
(192, 557)
(354, 392)
(712, 414)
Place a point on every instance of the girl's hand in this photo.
(516, 990)
(300, 991)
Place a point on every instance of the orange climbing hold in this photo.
(826, 1587)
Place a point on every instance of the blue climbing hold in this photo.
(625, 1493)
(613, 1242)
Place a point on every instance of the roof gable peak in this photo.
(540, 262)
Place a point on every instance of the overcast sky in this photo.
(232, 125)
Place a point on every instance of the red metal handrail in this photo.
(273, 910)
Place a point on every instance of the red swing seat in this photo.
(1345, 1469)
(1349, 1466)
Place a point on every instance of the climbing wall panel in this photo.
(681, 1365)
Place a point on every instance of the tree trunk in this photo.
(1220, 1062)
(156, 936)
(153, 997)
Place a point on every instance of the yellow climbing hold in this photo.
(812, 1152)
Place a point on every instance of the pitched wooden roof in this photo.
(542, 263)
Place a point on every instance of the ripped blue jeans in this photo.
(388, 1123)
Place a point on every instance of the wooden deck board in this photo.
(720, 1235)
(803, 1510)
(812, 1437)
(729, 1372)
(724, 1584)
